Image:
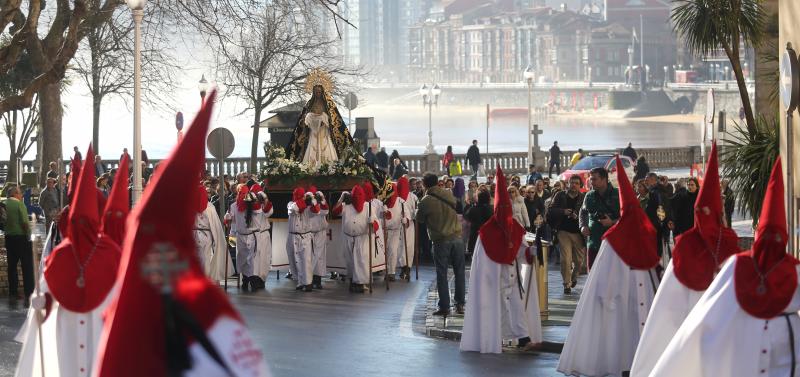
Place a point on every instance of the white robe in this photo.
(70, 341)
(262, 261)
(396, 234)
(319, 230)
(356, 228)
(609, 318)
(298, 242)
(495, 310)
(320, 149)
(245, 239)
(718, 338)
(672, 304)
(409, 235)
(216, 267)
(204, 240)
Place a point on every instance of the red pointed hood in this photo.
(403, 188)
(297, 194)
(241, 195)
(369, 191)
(202, 199)
(765, 277)
(633, 236)
(700, 251)
(390, 202)
(501, 236)
(99, 256)
(115, 213)
(358, 198)
(162, 239)
(312, 189)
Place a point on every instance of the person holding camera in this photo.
(599, 212)
(357, 222)
(319, 238)
(302, 207)
(563, 216)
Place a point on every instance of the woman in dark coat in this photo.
(641, 169)
(683, 206)
(477, 214)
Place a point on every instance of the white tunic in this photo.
(204, 240)
(320, 147)
(262, 262)
(718, 338)
(396, 234)
(298, 242)
(609, 318)
(216, 267)
(70, 341)
(319, 230)
(245, 239)
(356, 228)
(672, 304)
(495, 310)
(410, 235)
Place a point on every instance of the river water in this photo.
(405, 128)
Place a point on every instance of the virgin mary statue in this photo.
(320, 136)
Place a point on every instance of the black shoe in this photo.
(574, 283)
(358, 288)
(316, 282)
(299, 287)
(567, 290)
(442, 312)
(460, 308)
(289, 276)
(307, 288)
(245, 284)
(390, 277)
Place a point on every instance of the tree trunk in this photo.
(13, 160)
(254, 147)
(96, 100)
(745, 96)
(51, 112)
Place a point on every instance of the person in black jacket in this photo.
(477, 214)
(535, 205)
(630, 152)
(563, 215)
(641, 169)
(683, 205)
(396, 155)
(657, 208)
(728, 201)
(382, 160)
(474, 158)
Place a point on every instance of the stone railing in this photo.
(511, 162)
(516, 162)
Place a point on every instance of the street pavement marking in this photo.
(406, 324)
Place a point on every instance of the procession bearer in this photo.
(357, 223)
(319, 243)
(397, 221)
(301, 209)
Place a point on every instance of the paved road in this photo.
(336, 333)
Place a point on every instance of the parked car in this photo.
(591, 161)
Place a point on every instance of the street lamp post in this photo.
(528, 76)
(202, 86)
(430, 98)
(590, 76)
(137, 7)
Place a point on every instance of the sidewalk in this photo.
(554, 328)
